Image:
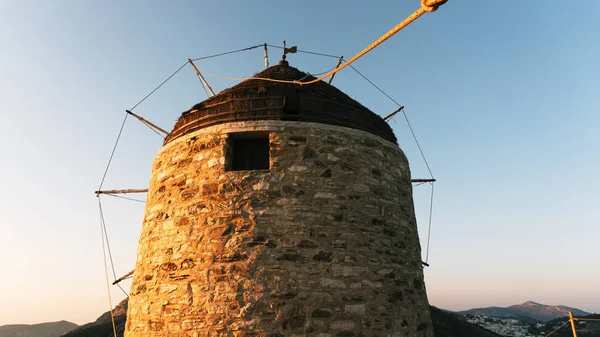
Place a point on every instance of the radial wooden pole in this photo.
(386, 118)
(123, 277)
(141, 190)
(152, 126)
(422, 180)
(212, 93)
(336, 66)
(266, 57)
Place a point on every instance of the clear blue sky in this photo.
(503, 95)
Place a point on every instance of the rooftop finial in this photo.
(286, 50)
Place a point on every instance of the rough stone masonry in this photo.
(324, 243)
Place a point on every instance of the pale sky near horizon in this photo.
(503, 95)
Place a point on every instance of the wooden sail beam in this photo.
(386, 118)
(123, 277)
(572, 324)
(336, 66)
(144, 190)
(150, 125)
(422, 180)
(212, 93)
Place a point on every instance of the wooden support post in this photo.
(123, 277)
(122, 191)
(386, 118)
(266, 57)
(572, 324)
(422, 180)
(336, 66)
(152, 126)
(212, 93)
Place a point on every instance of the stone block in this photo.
(345, 325)
(331, 283)
(358, 309)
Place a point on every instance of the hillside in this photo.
(445, 324)
(102, 327)
(52, 329)
(529, 309)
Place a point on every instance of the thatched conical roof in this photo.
(255, 99)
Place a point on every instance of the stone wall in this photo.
(323, 244)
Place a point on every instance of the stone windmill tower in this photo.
(279, 210)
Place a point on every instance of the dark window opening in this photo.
(248, 151)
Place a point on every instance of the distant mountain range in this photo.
(529, 309)
(53, 329)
